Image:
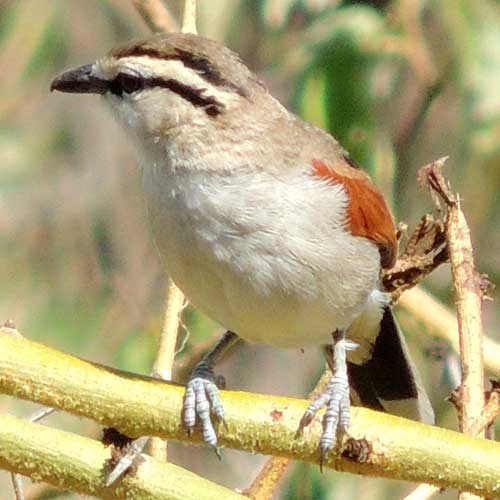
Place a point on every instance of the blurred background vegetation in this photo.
(400, 83)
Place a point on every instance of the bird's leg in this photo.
(335, 397)
(202, 394)
(201, 397)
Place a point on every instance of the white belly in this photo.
(266, 258)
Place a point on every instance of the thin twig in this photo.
(17, 484)
(163, 364)
(468, 298)
(265, 483)
(17, 479)
(174, 303)
(438, 320)
(40, 414)
(189, 17)
(159, 18)
(36, 491)
(418, 53)
(156, 15)
(175, 298)
(418, 111)
(423, 492)
(413, 43)
(490, 413)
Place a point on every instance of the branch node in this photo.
(425, 250)
(431, 175)
(9, 328)
(358, 450)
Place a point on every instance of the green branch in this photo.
(378, 444)
(76, 463)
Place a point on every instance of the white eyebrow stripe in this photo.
(168, 69)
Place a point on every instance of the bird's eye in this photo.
(125, 83)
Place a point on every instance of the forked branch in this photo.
(377, 444)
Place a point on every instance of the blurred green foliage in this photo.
(344, 70)
(399, 83)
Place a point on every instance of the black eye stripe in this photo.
(125, 83)
(195, 96)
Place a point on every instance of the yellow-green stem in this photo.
(76, 463)
(392, 447)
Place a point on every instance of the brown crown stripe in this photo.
(197, 63)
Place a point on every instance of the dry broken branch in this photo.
(425, 251)
(156, 15)
(468, 295)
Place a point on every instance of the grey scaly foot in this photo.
(335, 398)
(201, 399)
(201, 396)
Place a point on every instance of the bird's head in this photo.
(169, 81)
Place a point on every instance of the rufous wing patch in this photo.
(368, 213)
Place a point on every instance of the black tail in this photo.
(388, 380)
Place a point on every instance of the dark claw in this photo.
(306, 419)
(220, 381)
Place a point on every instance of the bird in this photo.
(264, 221)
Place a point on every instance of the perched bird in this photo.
(264, 222)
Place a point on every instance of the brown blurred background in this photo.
(400, 83)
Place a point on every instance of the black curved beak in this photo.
(80, 81)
